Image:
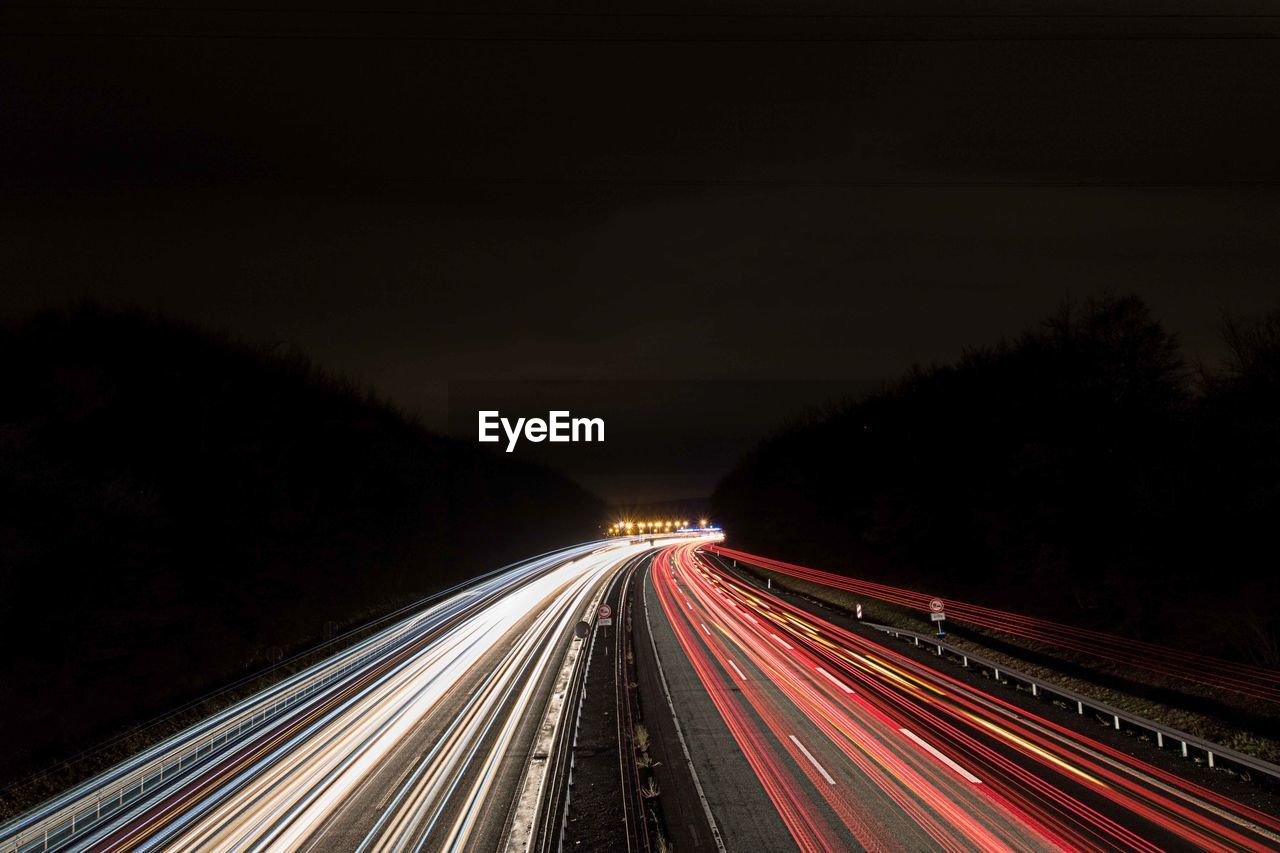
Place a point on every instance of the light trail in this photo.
(1245, 680)
(919, 759)
(331, 757)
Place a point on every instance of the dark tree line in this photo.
(1081, 471)
(179, 508)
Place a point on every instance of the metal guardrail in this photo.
(549, 834)
(1212, 751)
(84, 812)
(567, 796)
(84, 808)
(559, 794)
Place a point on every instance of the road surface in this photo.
(417, 738)
(851, 745)
(782, 731)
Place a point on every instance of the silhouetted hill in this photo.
(178, 505)
(1079, 471)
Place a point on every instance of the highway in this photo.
(443, 732)
(853, 745)
(418, 738)
(1220, 676)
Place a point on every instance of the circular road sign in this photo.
(936, 605)
(605, 611)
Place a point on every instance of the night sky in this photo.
(709, 201)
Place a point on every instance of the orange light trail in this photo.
(918, 758)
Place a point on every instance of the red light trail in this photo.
(1242, 679)
(852, 740)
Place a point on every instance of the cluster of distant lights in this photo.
(630, 528)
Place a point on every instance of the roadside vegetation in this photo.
(1083, 471)
(183, 510)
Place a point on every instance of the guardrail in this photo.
(554, 820)
(83, 813)
(1214, 752)
(549, 834)
(85, 806)
(544, 840)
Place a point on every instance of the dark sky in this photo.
(419, 198)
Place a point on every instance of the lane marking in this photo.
(735, 669)
(705, 628)
(837, 682)
(938, 755)
(812, 760)
(782, 642)
(753, 619)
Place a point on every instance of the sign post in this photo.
(936, 607)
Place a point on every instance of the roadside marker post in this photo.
(859, 606)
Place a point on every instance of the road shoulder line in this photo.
(684, 747)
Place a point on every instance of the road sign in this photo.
(605, 611)
(936, 605)
(604, 620)
(937, 617)
(582, 629)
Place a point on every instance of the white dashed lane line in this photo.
(938, 755)
(837, 682)
(812, 760)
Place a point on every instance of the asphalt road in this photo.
(772, 729)
(738, 801)
(812, 734)
(419, 738)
